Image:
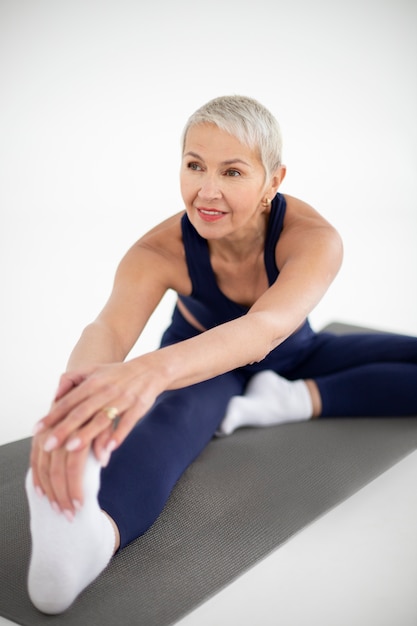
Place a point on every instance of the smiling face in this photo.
(223, 183)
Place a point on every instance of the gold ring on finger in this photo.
(111, 412)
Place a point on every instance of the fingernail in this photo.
(39, 491)
(56, 508)
(69, 515)
(50, 443)
(104, 458)
(111, 446)
(106, 453)
(38, 428)
(73, 444)
(77, 505)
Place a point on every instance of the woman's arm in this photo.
(309, 255)
(141, 280)
(136, 293)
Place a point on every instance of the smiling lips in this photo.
(210, 215)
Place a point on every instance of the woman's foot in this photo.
(268, 399)
(67, 555)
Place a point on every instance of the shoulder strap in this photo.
(196, 255)
(276, 221)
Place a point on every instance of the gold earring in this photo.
(267, 202)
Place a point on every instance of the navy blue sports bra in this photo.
(207, 302)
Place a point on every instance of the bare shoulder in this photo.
(160, 254)
(300, 216)
(164, 238)
(299, 212)
(304, 228)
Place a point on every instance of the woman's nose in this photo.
(209, 189)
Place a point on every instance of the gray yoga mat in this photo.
(241, 499)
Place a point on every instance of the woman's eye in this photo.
(232, 173)
(194, 166)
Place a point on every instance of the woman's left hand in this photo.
(98, 407)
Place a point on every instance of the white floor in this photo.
(356, 566)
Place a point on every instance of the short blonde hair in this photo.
(247, 120)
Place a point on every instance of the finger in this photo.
(73, 422)
(132, 409)
(66, 383)
(41, 473)
(35, 452)
(112, 413)
(75, 468)
(126, 423)
(58, 482)
(107, 419)
(53, 470)
(110, 439)
(100, 446)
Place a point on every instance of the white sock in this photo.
(268, 399)
(67, 556)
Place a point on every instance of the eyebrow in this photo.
(227, 162)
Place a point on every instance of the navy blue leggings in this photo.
(357, 375)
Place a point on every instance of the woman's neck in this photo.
(240, 247)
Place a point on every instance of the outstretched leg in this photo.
(142, 472)
(363, 375)
(349, 375)
(68, 555)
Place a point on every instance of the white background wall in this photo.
(93, 98)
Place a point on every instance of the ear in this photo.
(276, 180)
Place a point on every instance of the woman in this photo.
(248, 265)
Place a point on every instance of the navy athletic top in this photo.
(207, 302)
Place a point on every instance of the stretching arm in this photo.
(309, 256)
